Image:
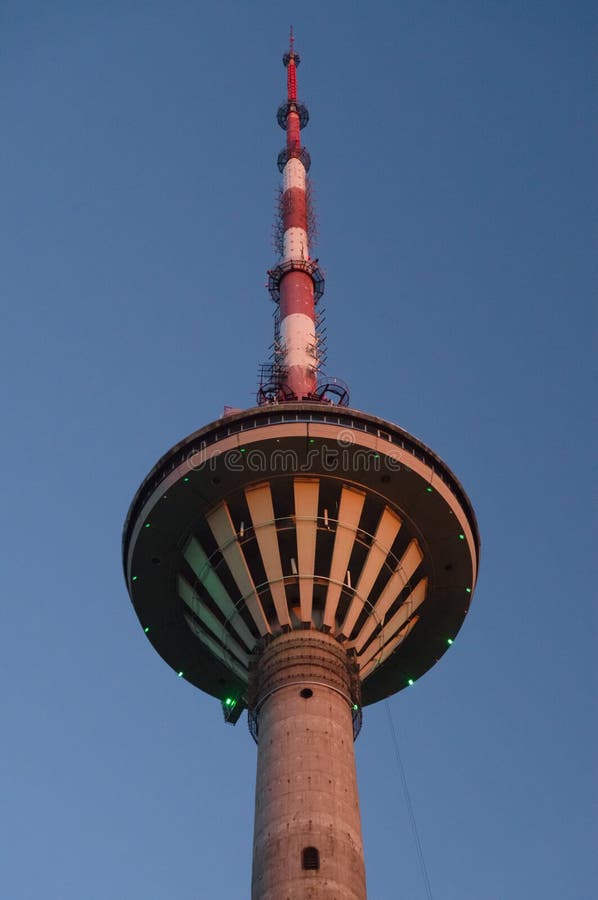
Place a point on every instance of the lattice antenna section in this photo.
(277, 227)
(312, 219)
(322, 338)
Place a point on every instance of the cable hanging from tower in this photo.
(408, 803)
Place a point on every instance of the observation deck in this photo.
(300, 516)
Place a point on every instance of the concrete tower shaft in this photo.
(307, 836)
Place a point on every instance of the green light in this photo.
(461, 537)
(185, 479)
(429, 490)
(229, 701)
(312, 440)
(146, 629)
(468, 590)
(180, 674)
(355, 707)
(147, 524)
(410, 682)
(242, 449)
(134, 578)
(449, 641)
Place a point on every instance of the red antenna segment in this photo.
(293, 62)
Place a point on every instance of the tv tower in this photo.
(301, 560)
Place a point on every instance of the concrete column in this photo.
(306, 807)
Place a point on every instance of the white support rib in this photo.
(193, 601)
(409, 562)
(386, 532)
(223, 530)
(306, 514)
(349, 513)
(199, 562)
(403, 613)
(259, 501)
(390, 647)
(216, 650)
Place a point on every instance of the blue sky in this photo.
(452, 153)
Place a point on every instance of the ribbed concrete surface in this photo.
(306, 790)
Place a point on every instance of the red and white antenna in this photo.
(296, 283)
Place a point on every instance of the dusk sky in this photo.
(453, 165)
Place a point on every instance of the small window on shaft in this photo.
(310, 858)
